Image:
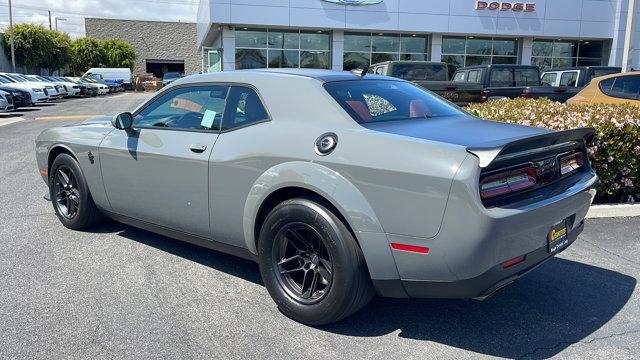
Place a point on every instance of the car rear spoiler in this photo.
(502, 150)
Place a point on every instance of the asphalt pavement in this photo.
(122, 293)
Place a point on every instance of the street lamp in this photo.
(61, 19)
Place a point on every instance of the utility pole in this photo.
(49, 19)
(13, 48)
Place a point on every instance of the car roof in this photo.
(317, 74)
(631, 73)
(583, 68)
(409, 62)
(498, 66)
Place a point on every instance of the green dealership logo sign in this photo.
(355, 2)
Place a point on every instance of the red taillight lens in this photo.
(527, 95)
(571, 163)
(507, 182)
(484, 96)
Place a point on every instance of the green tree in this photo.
(119, 54)
(86, 53)
(59, 54)
(32, 44)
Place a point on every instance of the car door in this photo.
(158, 172)
(236, 163)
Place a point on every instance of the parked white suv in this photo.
(38, 91)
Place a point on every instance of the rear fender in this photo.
(343, 195)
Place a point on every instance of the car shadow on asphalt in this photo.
(558, 304)
(232, 265)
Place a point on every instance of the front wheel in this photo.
(311, 264)
(70, 194)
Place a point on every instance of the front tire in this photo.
(70, 194)
(311, 264)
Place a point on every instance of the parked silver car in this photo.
(338, 185)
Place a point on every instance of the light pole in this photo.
(13, 48)
(61, 19)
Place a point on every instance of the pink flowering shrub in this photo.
(614, 151)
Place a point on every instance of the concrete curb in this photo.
(615, 210)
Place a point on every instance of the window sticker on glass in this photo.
(208, 119)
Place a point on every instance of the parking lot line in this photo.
(67, 117)
(4, 122)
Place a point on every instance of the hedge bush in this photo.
(614, 151)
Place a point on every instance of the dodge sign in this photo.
(505, 6)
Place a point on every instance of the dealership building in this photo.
(345, 34)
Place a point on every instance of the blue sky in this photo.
(74, 11)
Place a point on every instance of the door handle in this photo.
(196, 148)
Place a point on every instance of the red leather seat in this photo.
(361, 109)
(417, 108)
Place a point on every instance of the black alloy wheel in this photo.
(311, 264)
(70, 195)
(66, 193)
(304, 265)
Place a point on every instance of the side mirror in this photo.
(122, 121)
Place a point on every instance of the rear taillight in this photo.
(484, 96)
(507, 182)
(571, 163)
(527, 95)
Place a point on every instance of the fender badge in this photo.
(91, 157)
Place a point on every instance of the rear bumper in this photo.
(480, 286)
(465, 258)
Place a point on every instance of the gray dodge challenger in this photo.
(341, 186)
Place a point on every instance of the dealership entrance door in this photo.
(161, 67)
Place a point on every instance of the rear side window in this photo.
(244, 108)
(474, 76)
(624, 87)
(425, 72)
(501, 77)
(369, 101)
(549, 79)
(459, 76)
(526, 77)
(569, 78)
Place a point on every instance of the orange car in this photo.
(610, 89)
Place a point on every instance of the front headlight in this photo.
(37, 90)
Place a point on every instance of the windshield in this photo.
(369, 101)
(16, 78)
(425, 72)
(171, 75)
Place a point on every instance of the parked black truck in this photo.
(512, 81)
(433, 76)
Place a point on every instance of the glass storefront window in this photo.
(460, 51)
(283, 40)
(251, 39)
(372, 48)
(567, 53)
(261, 48)
(315, 40)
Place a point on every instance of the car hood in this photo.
(106, 120)
(458, 130)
